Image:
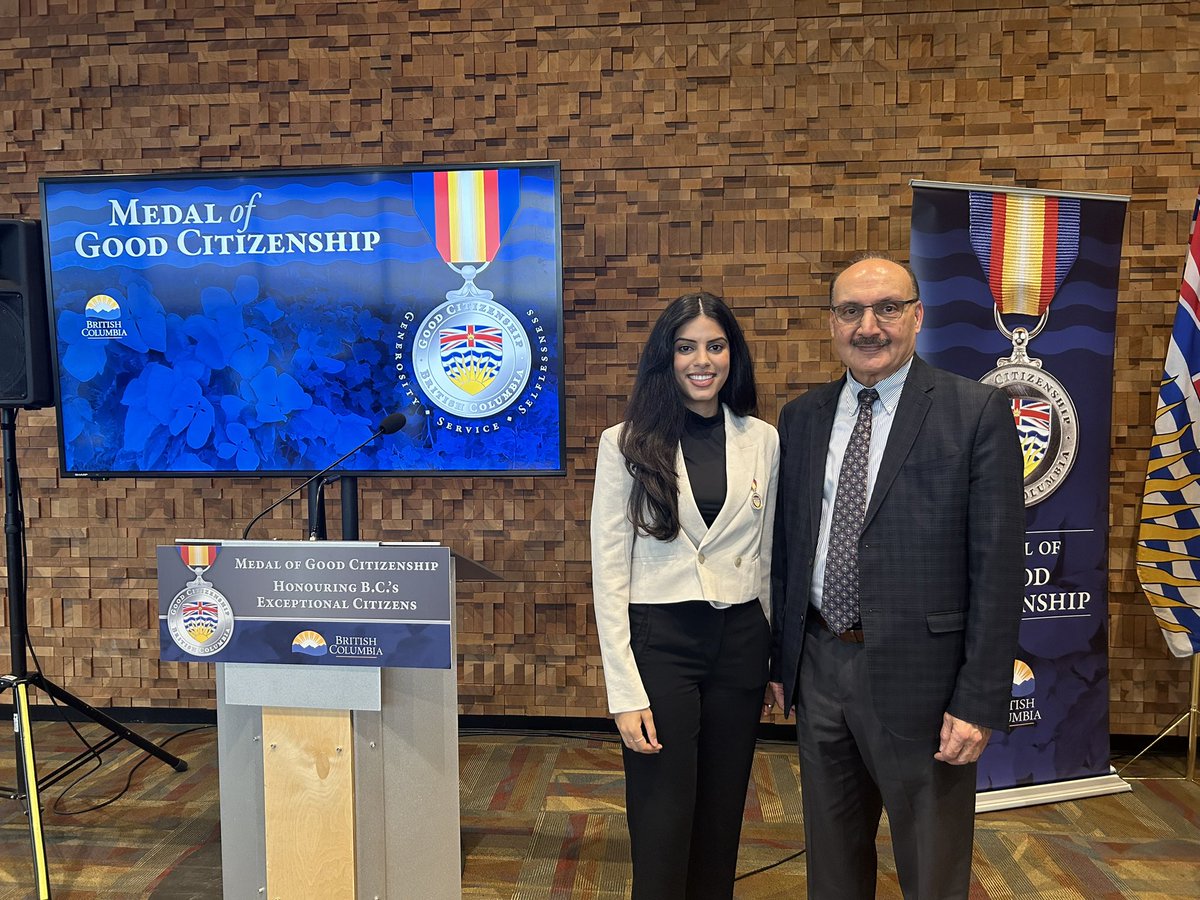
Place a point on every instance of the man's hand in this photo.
(775, 693)
(637, 730)
(960, 742)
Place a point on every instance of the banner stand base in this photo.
(1191, 715)
(1054, 792)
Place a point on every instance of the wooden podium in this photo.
(336, 781)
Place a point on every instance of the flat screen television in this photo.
(266, 322)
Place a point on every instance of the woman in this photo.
(681, 539)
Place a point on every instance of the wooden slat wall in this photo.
(747, 148)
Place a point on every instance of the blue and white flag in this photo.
(1168, 554)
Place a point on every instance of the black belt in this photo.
(852, 635)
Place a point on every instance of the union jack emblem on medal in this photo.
(472, 355)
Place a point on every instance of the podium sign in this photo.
(335, 603)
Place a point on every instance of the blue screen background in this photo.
(280, 362)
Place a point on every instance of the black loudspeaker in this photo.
(25, 378)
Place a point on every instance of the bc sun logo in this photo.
(102, 317)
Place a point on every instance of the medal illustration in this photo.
(471, 355)
(1026, 245)
(200, 619)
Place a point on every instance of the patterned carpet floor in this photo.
(542, 817)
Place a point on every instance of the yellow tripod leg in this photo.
(24, 732)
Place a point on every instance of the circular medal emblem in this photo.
(200, 620)
(471, 357)
(1046, 423)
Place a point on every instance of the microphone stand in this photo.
(349, 507)
(388, 426)
(317, 528)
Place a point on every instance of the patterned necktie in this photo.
(839, 595)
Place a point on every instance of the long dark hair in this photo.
(656, 413)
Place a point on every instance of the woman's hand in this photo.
(769, 699)
(637, 730)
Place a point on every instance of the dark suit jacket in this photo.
(941, 565)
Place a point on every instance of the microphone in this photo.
(390, 425)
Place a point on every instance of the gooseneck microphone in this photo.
(390, 425)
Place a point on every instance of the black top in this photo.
(703, 444)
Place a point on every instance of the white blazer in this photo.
(726, 564)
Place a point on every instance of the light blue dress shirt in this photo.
(883, 413)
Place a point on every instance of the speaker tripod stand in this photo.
(21, 679)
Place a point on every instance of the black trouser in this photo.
(705, 671)
(852, 767)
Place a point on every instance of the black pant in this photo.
(852, 767)
(705, 671)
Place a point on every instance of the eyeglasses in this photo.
(886, 311)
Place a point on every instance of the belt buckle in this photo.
(852, 635)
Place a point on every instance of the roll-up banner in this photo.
(1020, 290)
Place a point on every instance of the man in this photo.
(896, 606)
